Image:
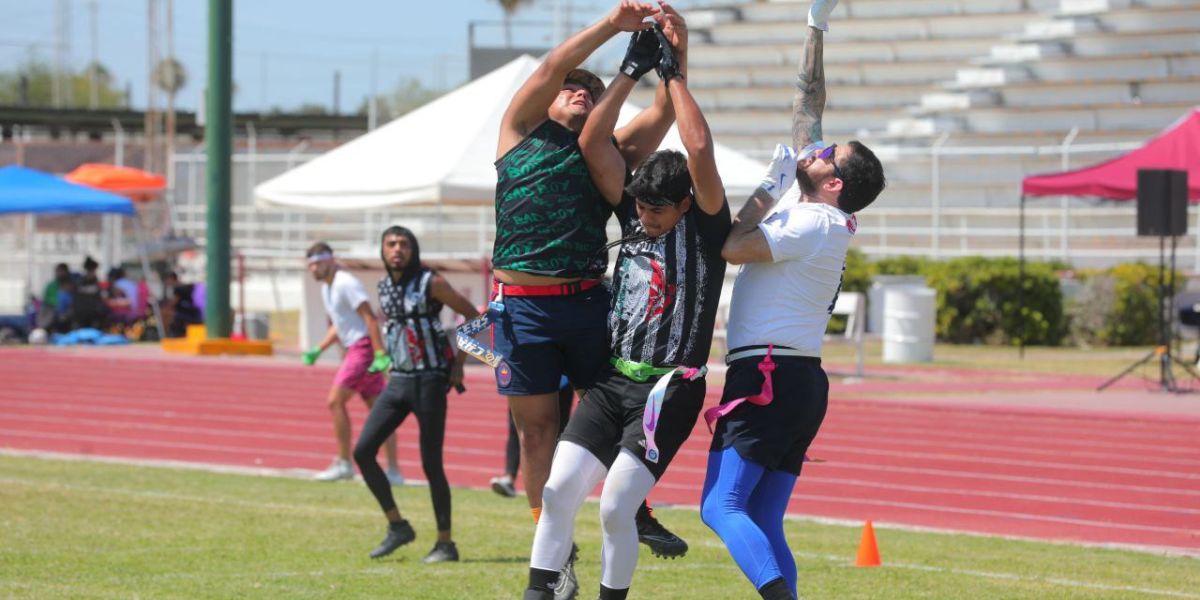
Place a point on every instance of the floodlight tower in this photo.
(218, 319)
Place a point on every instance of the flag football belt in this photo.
(748, 351)
(764, 396)
(465, 334)
(641, 373)
(557, 289)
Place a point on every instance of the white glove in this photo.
(781, 173)
(818, 13)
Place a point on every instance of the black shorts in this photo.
(609, 418)
(777, 435)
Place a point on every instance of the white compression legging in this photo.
(573, 474)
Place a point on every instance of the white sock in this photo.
(627, 484)
(574, 472)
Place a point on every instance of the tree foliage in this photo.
(38, 77)
(408, 95)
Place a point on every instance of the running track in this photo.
(1088, 476)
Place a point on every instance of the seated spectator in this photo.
(180, 309)
(123, 299)
(88, 307)
(56, 298)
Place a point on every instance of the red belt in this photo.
(557, 289)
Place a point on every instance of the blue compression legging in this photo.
(744, 502)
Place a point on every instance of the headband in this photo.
(323, 256)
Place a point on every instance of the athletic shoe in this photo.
(398, 535)
(662, 543)
(503, 485)
(567, 586)
(395, 477)
(442, 552)
(339, 469)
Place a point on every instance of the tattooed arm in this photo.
(808, 106)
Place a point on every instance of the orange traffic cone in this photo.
(868, 551)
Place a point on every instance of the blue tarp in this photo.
(28, 191)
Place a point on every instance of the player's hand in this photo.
(311, 355)
(381, 363)
(455, 379)
(818, 13)
(668, 63)
(641, 55)
(674, 28)
(630, 16)
(781, 173)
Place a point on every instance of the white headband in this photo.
(316, 258)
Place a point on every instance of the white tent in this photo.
(441, 153)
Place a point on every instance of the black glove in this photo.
(641, 55)
(668, 63)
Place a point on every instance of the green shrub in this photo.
(1118, 307)
(979, 300)
(857, 277)
(900, 265)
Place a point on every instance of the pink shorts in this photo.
(353, 373)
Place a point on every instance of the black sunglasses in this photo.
(827, 153)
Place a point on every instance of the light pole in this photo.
(218, 141)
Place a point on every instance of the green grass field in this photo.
(96, 530)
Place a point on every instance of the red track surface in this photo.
(1088, 476)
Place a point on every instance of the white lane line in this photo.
(1006, 495)
(209, 431)
(1100, 485)
(842, 500)
(1030, 464)
(82, 410)
(889, 471)
(225, 449)
(1012, 447)
(938, 434)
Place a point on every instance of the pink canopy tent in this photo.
(1177, 147)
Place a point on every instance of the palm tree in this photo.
(510, 8)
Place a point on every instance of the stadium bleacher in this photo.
(990, 73)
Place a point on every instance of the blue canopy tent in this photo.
(26, 191)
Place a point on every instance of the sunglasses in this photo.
(827, 154)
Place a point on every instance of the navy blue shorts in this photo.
(543, 338)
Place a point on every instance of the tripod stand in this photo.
(1166, 311)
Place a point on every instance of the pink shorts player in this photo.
(353, 373)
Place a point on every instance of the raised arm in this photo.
(643, 134)
(746, 242)
(605, 161)
(808, 106)
(529, 105)
(697, 140)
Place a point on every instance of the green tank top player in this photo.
(550, 218)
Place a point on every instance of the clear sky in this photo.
(286, 51)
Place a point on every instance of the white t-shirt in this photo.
(787, 302)
(342, 299)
